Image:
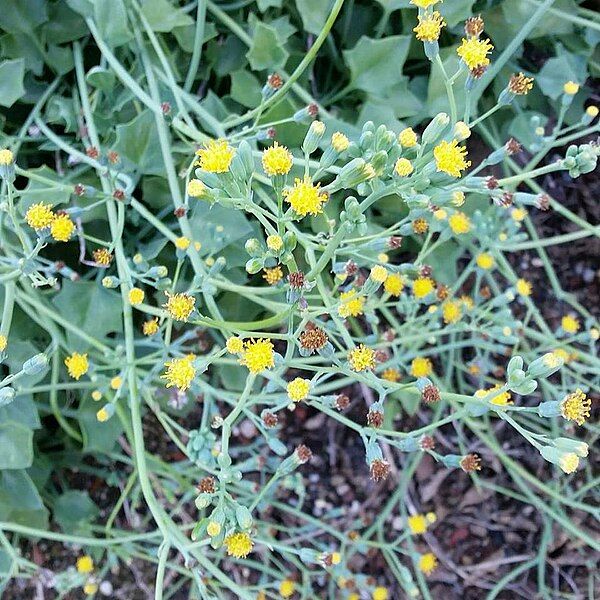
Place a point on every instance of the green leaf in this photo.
(557, 71)
(163, 16)
(138, 142)
(111, 20)
(437, 98)
(22, 410)
(264, 4)
(11, 81)
(23, 15)
(20, 501)
(74, 511)
(266, 51)
(523, 131)
(97, 437)
(314, 13)
(64, 25)
(443, 261)
(245, 89)
(376, 65)
(16, 445)
(91, 307)
(103, 79)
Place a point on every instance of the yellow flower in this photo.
(429, 27)
(182, 243)
(6, 157)
(417, 524)
(403, 167)
(213, 528)
(62, 228)
(150, 327)
(379, 274)
(277, 160)
(273, 276)
(423, 286)
(195, 188)
(105, 413)
(428, 563)
(523, 287)
(592, 111)
(96, 395)
(570, 324)
(380, 592)
(424, 3)
(304, 197)
(287, 588)
(485, 261)
(298, 389)
(339, 142)
(3, 342)
(90, 587)
(394, 284)
(116, 382)
(77, 365)
(458, 198)
(351, 304)
(85, 564)
(407, 138)
(440, 214)
(180, 372)
(234, 345)
(275, 243)
(459, 223)
(102, 256)
(239, 544)
(518, 214)
(216, 156)
(392, 375)
(569, 462)
(451, 311)
(451, 158)
(420, 226)
(136, 296)
(421, 367)
(502, 399)
(258, 355)
(474, 52)
(39, 216)
(520, 85)
(180, 306)
(362, 358)
(576, 407)
(383, 257)
(571, 88)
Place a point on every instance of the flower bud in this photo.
(435, 128)
(36, 364)
(313, 137)
(7, 395)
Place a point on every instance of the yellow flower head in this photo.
(305, 198)
(362, 358)
(379, 274)
(417, 524)
(234, 345)
(339, 142)
(423, 286)
(90, 587)
(39, 216)
(380, 592)
(424, 3)
(275, 243)
(105, 413)
(429, 27)
(518, 214)
(451, 158)
(576, 407)
(180, 306)
(96, 395)
(571, 88)
(570, 324)
(394, 284)
(428, 563)
(520, 85)
(180, 372)
(592, 111)
(392, 375)
(136, 296)
(62, 228)
(403, 167)
(407, 138)
(277, 160)
(239, 544)
(150, 327)
(102, 257)
(182, 243)
(77, 365)
(451, 311)
(287, 588)
(196, 188)
(351, 304)
(523, 287)
(213, 528)
(85, 564)
(6, 157)
(116, 382)
(459, 223)
(258, 355)
(501, 399)
(421, 367)
(3, 342)
(216, 156)
(474, 51)
(298, 389)
(273, 276)
(485, 261)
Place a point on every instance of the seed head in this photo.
(379, 469)
(470, 463)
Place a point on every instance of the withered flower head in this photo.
(207, 485)
(303, 453)
(512, 147)
(474, 26)
(506, 199)
(342, 401)
(442, 291)
(271, 133)
(430, 394)
(92, 152)
(113, 157)
(312, 109)
(296, 280)
(374, 418)
(427, 442)
(274, 81)
(543, 202)
(425, 271)
(485, 292)
(351, 268)
(79, 189)
(180, 211)
(470, 463)
(491, 183)
(381, 355)
(478, 72)
(380, 469)
(520, 85)
(394, 242)
(119, 194)
(270, 419)
(313, 339)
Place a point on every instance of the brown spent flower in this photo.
(474, 26)
(381, 355)
(485, 292)
(470, 463)
(113, 157)
(312, 109)
(512, 147)
(520, 85)
(270, 419)
(425, 271)
(430, 394)
(342, 402)
(119, 194)
(296, 280)
(274, 81)
(303, 453)
(271, 133)
(389, 335)
(165, 107)
(351, 268)
(506, 199)
(313, 338)
(427, 442)
(379, 469)
(79, 189)
(180, 212)
(207, 485)
(92, 152)
(394, 242)
(442, 291)
(491, 183)
(543, 202)
(374, 418)
(478, 72)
